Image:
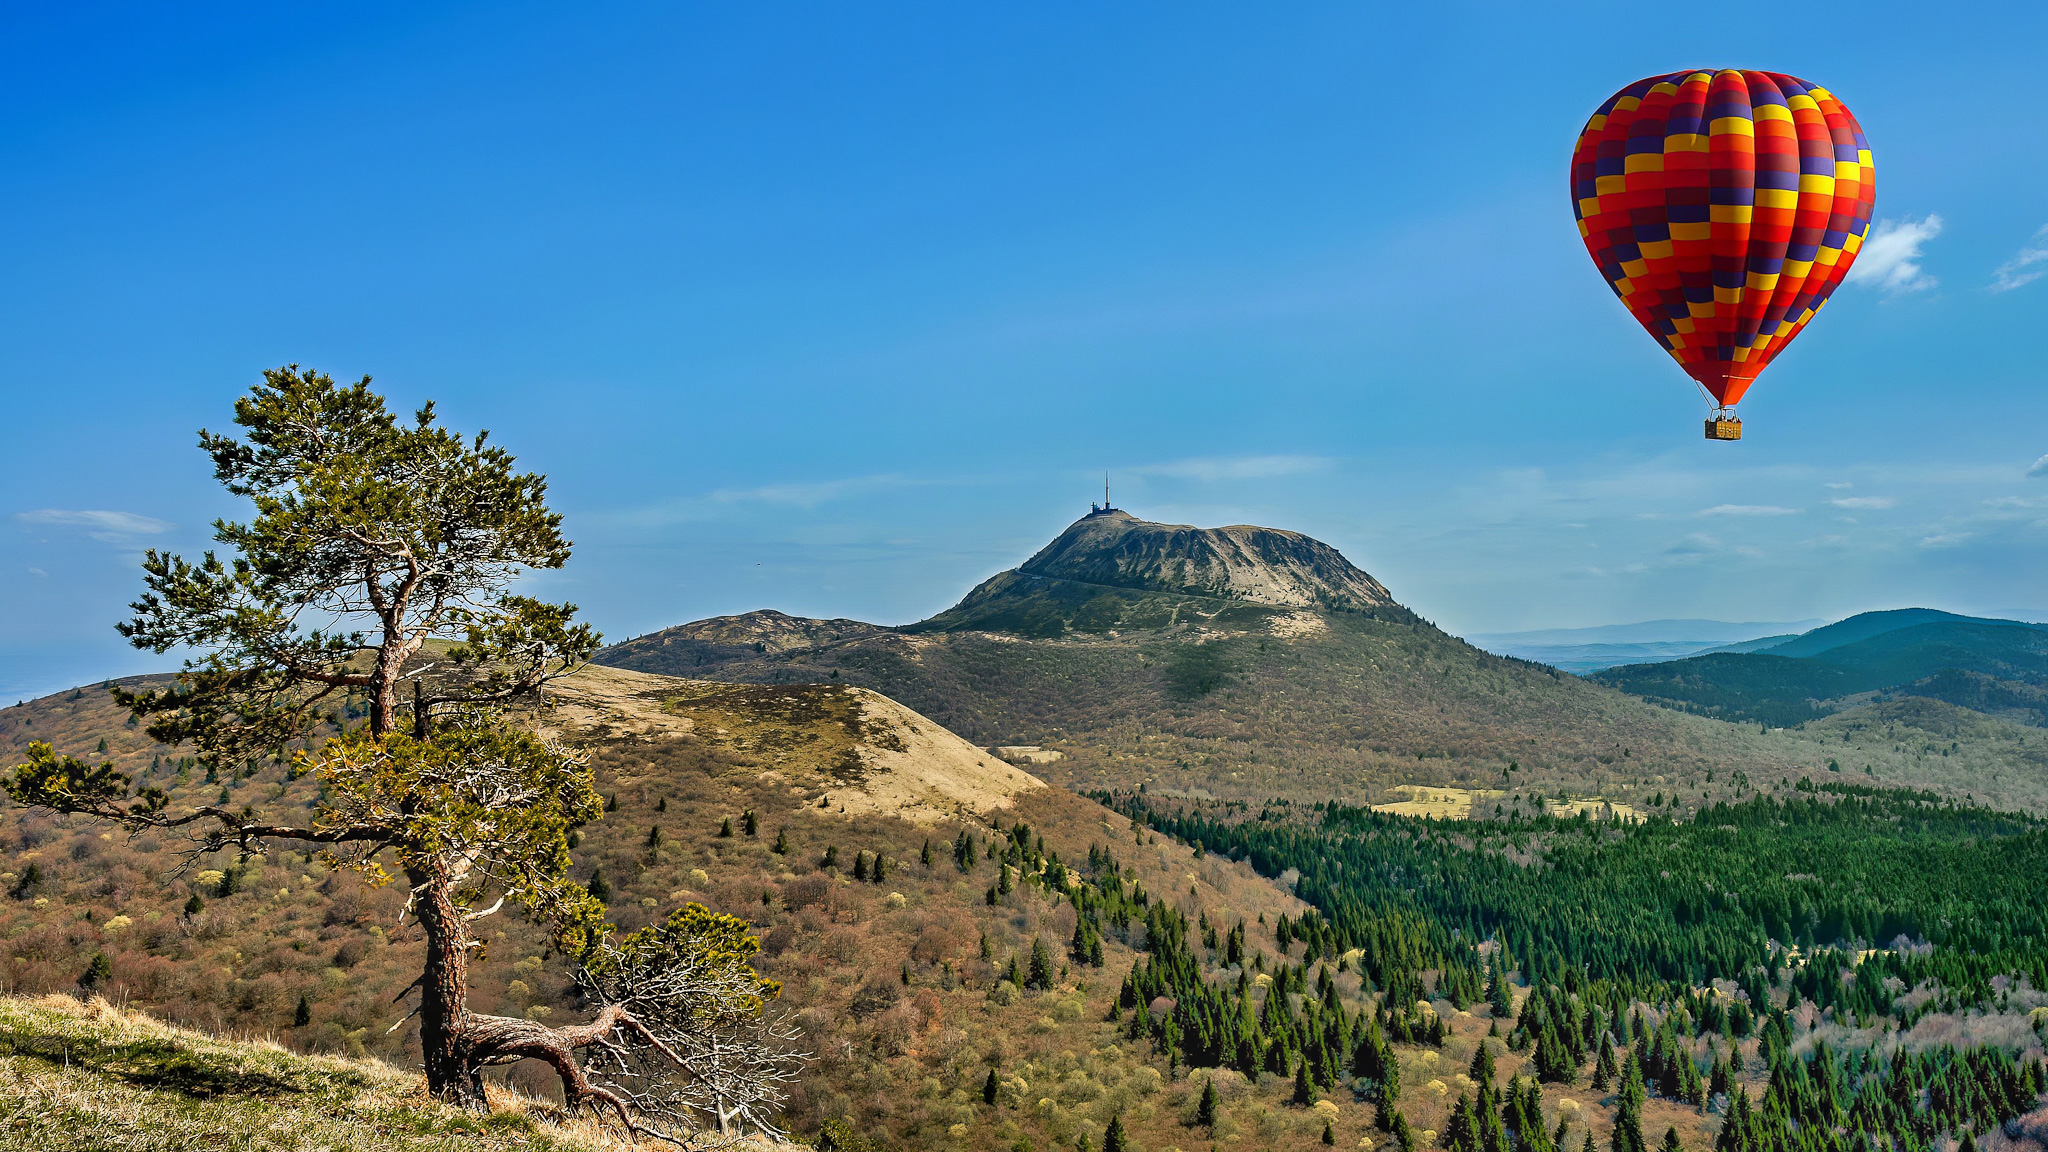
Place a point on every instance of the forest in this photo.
(1784, 949)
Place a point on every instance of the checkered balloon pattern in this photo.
(1723, 208)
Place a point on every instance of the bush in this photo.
(838, 1136)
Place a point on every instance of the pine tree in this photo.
(860, 865)
(1628, 1116)
(1329, 1133)
(654, 836)
(989, 1087)
(1672, 1142)
(599, 889)
(1604, 1070)
(924, 854)
(97, 973)
(1498, 998)
(749, 823)
(193, 904)
(1482, 1065)
(1116, 1140)
(880, 871)
(1205, 1110)
(1460, 1133)
(1040, 976)
(725, 828)
(1304, 1092)
(831, 858)
(304, 1015)
(781, 845)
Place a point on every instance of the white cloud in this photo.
(2029, 264)
(1698, 543)
(112, 527)
(1890, 258)
(1864, 502)
(1213, 468)
(1944, 539)
(1749, 510)
(1838, 485)
(2040, 467)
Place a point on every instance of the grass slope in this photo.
(887, 980)
(92, 1076)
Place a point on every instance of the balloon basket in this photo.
(1724, 426)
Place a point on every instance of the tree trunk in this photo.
(453, 1075)
(384, 689)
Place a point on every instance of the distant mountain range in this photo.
(1999, 667)
(1585, 650)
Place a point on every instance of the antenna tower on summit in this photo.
(1092, 509)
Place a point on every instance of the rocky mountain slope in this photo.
(1241, 562)
(1252, 663)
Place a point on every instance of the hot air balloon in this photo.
(1723, 207)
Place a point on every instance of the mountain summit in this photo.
(1110, 570)
(1241, 562)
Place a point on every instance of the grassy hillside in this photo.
(889, 980)
(79, 1075)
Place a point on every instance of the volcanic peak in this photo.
(1244, 562)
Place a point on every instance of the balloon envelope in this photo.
(1723, 208)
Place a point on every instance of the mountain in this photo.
(1241, 562)
(1995, 666)
(1252, 664)
(1644, 632)
(1583, 650)
(1869, 625)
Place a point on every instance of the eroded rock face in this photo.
(1240, 562)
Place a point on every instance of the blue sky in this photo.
(839, 309)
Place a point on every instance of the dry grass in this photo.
(1441, 803)
(92, 1075)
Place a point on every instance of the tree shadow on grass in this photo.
(159, 1064)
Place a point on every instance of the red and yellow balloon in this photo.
(1723, 207)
